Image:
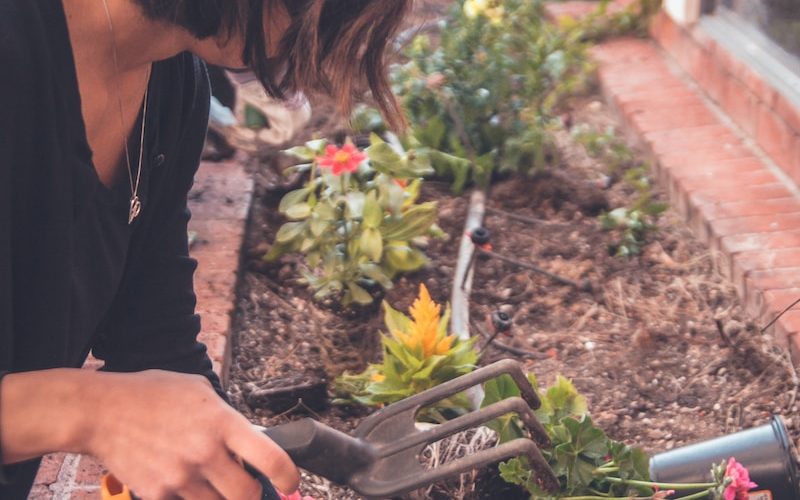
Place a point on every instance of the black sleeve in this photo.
(153, 322)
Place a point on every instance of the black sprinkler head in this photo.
(501, 321)
(480, 236)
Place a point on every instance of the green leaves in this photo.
(581, 454)
(359, 229)
(413, 222)
(485, 95)
(416, 357)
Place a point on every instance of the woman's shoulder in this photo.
(183, 84)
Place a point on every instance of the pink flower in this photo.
(340, 160)
(294, 496)
(740, 481)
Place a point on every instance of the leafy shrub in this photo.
(357, 218)
(632, 224)
(483, 98)
(418, 354)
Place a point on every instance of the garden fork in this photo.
(381, 459)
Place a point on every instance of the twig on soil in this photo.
(776, 318)
(579, 324)
(500, 345)
(621, 296)
(299, 406)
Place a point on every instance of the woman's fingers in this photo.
(262, 453)
(200, 490)
(231, 480)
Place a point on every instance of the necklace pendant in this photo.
(136, 208)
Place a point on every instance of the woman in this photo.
(103, 116)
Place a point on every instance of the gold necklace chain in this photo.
(135, 203)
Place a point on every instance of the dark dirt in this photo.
(660, 346)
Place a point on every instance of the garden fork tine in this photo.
(382, 459)
(373, 487)
(452, 387)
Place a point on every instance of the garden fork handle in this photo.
(322, 450)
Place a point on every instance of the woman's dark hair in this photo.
(330, 46)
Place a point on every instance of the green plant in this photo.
(357, 218)
(418, 354)
(633, 223)
(483, 99)
(589, 464)
(633, 19)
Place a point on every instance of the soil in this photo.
(660, 346)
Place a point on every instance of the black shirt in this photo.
(74, 276)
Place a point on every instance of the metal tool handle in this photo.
(322, 450)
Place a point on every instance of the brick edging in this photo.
(731, 196)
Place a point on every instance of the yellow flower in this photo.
(424, 331)
(491, 9)
(378, 377)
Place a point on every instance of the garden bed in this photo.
(644, 345)
(660, 345)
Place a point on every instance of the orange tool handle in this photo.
(112, 489)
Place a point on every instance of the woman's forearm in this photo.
(45, 411)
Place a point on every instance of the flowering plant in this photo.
(483, 98)
(356, 219)
(418, 354)
(588, 463)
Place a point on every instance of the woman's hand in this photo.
(168, 435)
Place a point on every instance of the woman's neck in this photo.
(136, 40)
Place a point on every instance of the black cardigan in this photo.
(47, 182)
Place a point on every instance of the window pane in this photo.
(778, 19)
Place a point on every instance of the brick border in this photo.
(220, 202)
(732, 196)
(750, 101)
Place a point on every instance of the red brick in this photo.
(756, 224)
(657, 99)
(217, 234)
(749, 193)
(85, 494)
(683, 183)
(794, 173)
(748, 242)
(40, 492)
(216, 282)
(221, 192)
(746, 262)
(747, 208)
(788, 111)
(775, 301)
(49, 469)
(776, 137)
(774, 279)
(624, 50)
(786, 331)
(653, 120)
(90, 470)
(216, 322)
(764, 92)
(723, 152)
(213, 303)
(740, 104)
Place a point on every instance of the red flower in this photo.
(340, 160)
(740, 481)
